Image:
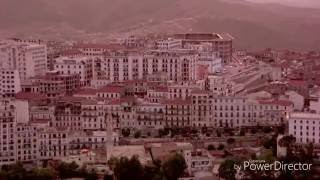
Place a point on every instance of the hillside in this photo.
(254, 25)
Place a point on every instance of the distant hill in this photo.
(253, 25)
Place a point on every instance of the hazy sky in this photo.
(305, 3)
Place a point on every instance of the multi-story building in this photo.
(222, 111)
(169, 43)
(305, 127)
(53, 143)
(42, 112)
(70, 66)
(198, 160)
(7, 133)
(220, 86)
(221, 43)
(177, 112)
(29, 59)
(95, 50)
(92, 115)
(10, 83)
(156, 94)
(181, 91)
(150, 115)
(68, 115)
(93, 140)
(26, 143)
(124, 66)
(54, 85)
(206, 64)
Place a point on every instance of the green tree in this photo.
(125, 168)
(42, 173)
(253, 131)
(231, 141)
(108, 177)
(125, 132)
(220, 147)
(218, 133)
(267, 129)
(153, 171)
(174, 167)
(194, 130)
(14, 172)
(204, 130)
(90, 175)
(211, 147)
(287, 141)
(227, 170)
(67, 170)
(242, 132)
(137, 134)
(163, 132)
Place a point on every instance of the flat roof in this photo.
(204, 36)
(302, 115)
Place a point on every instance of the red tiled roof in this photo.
(217, 153)
(99, 46)
(122, 100)
(86, 92)
(161, 89)
(177, 102)
(198, 91)
(297, 82)
(133, 82)
(71, 52)
(115, 102)
(72, 99)
(30, 96)
(39, 121)
(111, 89)
(276, 102)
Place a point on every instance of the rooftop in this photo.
(30, 96)
(86, 91)
(302, 115)
(204, 36)
(111, 89)
(276, 102)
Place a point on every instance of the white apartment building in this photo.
(221, 43)
(220, 86)
(40, 112)
(53, 143)
(305, 127)
(29, 59)
(181, 90)
(92, 115)
(82, 66)
(297, 99)
(207, 63)
(174, 65)
(150, 115)
(156, 94)
(218, 111)
(169, 43)
(7, 133)
(10, 82)
(123, 66)
(26, 143)
(93, 140)
(18, 140)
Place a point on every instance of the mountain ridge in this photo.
(253, 25)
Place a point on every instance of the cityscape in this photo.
(157, 106)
